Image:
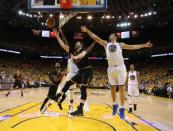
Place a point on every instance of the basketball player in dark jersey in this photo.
(55, 77)
(64, 44)
(82, 78)
(18, 83)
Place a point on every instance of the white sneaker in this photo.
(43, 110)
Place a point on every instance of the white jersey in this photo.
(132, 78)
(72, 67)
(114, 54)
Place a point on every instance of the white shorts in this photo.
(117, 75)
(133, 90)
(70, 75)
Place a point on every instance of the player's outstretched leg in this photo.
(61, 101)
(21, 91)
(79, 111)
(122, 99)
(43, 108)
(135, 104)
(115, 105)
(9, 92)
(64, 90)
(70, 98)
(130, 104)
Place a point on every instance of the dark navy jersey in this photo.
(84, 62)
(18, 78)
(55, 77)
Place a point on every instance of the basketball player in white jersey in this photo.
(72, 70)
(133, 82)
(116, 68)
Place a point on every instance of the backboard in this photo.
(76, 6)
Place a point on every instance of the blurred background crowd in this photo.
(156, 77)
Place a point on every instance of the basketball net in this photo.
(65, 17)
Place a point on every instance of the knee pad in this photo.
(67, 86)
(83, 93)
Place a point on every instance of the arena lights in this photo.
(108, 16)
(125, 24)
(124, 58)
(135, 16)
(20, 12)
(79, 17)
(26, 14)
(9, 51)
(148, 14)
(51, 57)
(160, 55)
(50, 15)
(89, 17)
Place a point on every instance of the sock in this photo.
(121, 106)
(130, 102)
(135, 103)
(115, 103)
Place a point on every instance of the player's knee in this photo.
(67, 86)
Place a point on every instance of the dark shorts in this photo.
(17, 84)
(83, 76)
(52, 91)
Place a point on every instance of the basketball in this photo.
(50, 22)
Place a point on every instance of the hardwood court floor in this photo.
(22, 114)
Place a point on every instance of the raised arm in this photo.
(79, 56)
(135, 47)
(62, 44)
(90, 48)
(94, 36)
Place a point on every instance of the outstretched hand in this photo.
(84, 28)
(148, 44)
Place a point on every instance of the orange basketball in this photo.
(50, 22)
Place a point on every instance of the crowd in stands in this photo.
(156, 79)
